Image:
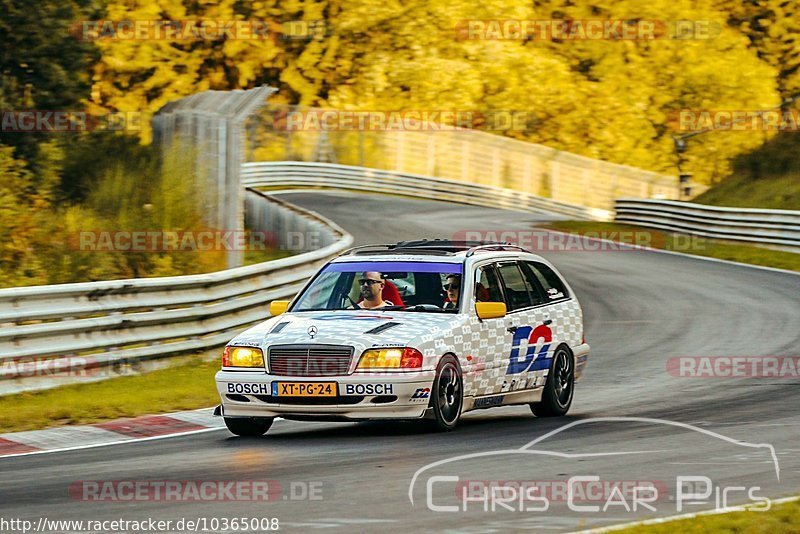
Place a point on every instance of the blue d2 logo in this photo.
(533, 335)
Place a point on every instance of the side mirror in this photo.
(277, 307)
(490, 310)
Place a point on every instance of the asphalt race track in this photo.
(641, 309)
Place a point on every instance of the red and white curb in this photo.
(143, 428)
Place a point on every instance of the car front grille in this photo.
(309, 360)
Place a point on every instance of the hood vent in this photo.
(278, 327)
(382, 328)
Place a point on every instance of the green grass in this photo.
(186, 386)
(768, 177)
(713, 248)
(783, 518)
(774, 192)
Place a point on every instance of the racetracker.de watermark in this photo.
(572, 490)
(742, 120)
(613, 241)
(734, 366)
(195, 490)
(410, 120)
(586, 29)
(54, 121)
(150, 525)
(189, 241)
(198, 30)
(68, 367)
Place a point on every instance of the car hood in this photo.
(360, 328)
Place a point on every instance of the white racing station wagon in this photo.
(425, 329)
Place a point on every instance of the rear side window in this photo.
(487, 289)
(516, 288)
(554, 288)
(538, 293)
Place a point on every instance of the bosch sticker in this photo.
(368, 389)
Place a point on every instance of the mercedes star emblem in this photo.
(312, 330)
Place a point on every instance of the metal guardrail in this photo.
(777, 228)
(107, 322)
(329, 175)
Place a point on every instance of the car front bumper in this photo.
(387, 396)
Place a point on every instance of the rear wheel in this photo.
(448, 394)
(244, 426)
(558, 390)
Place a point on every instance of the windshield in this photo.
(384, 285)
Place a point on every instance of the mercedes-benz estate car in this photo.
(425, 329)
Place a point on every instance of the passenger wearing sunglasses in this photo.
(452, 287)
(372, 291)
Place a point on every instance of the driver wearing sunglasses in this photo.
(452, 287)
(372, 291)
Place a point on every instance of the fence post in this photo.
(211, 125)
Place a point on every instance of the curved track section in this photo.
(642, 308)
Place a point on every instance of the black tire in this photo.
(244, 426)
(447, 398)
(559, 388)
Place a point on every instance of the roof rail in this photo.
(431, 246)
(351, 251)
(495, 246)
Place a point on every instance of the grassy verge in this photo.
(770, 192)
(780, 518)
(713, 248)
(768, 177)
(184, 387)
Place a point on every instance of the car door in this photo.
(545, 318)
(527, 323)
(491, 344)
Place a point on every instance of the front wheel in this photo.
(243, 426)
(559, 387)
(448, 394)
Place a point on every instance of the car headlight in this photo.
(390, 358)
(242, 357)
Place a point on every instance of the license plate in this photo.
(304, 389)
